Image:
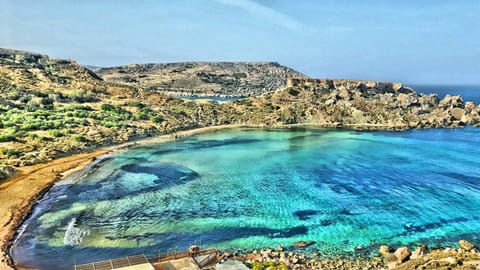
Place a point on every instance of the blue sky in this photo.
(419, 41)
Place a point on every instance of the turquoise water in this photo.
(246, 189)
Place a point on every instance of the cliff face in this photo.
(232, 79)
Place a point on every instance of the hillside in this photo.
(230, 79)
(53, 107)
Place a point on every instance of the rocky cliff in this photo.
(227, 79)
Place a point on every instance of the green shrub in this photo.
(137, 104)
(156, 119)
(47, 103)
(55, 133)
(79, 138)
(9, 152)
(20, 134)
(82, 96)
(107, 107)
(7, 138)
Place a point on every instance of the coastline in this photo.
(20, 193)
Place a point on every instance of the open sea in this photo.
(468, 92)
(245, 189)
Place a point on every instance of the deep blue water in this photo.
(468, 92)
(247, 189)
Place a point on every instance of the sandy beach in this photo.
(20, 193)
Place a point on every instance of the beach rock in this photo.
(384, 250)
(402, 254)
(465, 245)
(280, 248)
(418, 252)
(391, 260)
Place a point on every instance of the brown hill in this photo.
(231, 79)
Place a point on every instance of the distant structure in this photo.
(193, 259)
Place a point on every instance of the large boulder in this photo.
(451, 102)
(465, 245)
(418, 252)
(457, 113)
(402, 254)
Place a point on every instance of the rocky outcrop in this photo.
(359, 104)
(225, 79)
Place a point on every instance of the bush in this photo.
(156, 119)
(137, 104)
(9, 152)
(47, 103)
(7, 138)
(55, 133)
(79, 138)
(82, 96)
(32, 106)
(107, 107)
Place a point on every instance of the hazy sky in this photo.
(412, 41)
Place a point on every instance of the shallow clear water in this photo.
(246, 189)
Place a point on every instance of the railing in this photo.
(181, 255)
(140, 259)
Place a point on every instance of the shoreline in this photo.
(20, 193)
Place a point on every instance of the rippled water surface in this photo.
(246, 189)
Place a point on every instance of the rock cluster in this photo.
(293, 260)
(363, 105)
(466, 255)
